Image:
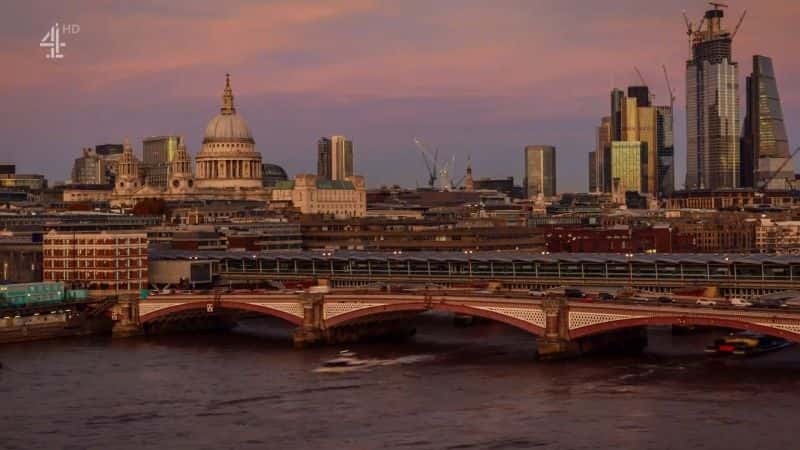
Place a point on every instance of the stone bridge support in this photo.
(555, 343)
(558, 344)
(311, 332)
(125, 314)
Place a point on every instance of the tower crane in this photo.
(669, 88)
(431, 162)
(738, 24)
(644, 83)
(763, 185)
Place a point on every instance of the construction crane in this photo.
(738, 24)
(431, 162)
(644, 83)
(763, 186)
(669, 88)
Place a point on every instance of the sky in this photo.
(478, 79)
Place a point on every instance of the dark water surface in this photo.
(456, 388)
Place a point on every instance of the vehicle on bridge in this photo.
(706, 302)
(740, 302)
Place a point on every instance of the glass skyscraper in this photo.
(665, 150)
(764, 144)
(712, 108)
(628, 164)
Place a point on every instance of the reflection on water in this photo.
(476, 387)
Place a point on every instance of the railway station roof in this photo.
(479, 256)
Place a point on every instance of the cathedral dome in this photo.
(227, 126)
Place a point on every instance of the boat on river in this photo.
(346, 361)
(746, 344)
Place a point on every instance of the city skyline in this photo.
(424, 71)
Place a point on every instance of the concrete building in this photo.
(314, 195)
(778, 236)
(86, 193)
(593, 186)
(157, 154)
(712, 108)
(341, 158)
(28, 182)
(104, 262)
(540, 171)
(764, 146)
(94, 168)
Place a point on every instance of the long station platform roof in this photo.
(481, 256)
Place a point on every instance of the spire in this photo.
(126, 146)
(227, 97)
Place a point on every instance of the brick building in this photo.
(104, 262)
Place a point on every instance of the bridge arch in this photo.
(228, 305)
(346, 318)
(743, 325)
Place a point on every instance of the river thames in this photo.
(447, 388)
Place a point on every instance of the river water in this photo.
(454, 388)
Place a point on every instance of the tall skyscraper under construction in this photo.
(712, 107)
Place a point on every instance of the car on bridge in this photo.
(706, 302)
(739, 302)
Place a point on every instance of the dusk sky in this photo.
(479, 78)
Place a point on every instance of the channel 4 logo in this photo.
(54, 42)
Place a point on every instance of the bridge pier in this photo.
(555, 343)
(310, 332)
(125, 315)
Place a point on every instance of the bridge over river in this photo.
(562, 326)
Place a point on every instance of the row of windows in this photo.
(519, 269)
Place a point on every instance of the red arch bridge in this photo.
(559, 324)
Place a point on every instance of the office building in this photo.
(764, 144)
(341, 158)
(89, 168)
(627, 165)
(324, 158)
(314, 195)
(7, 169)
(540, 170)
(665, 151)
(617, 104)
(28, 182)
(112, 262)
(593, 171)
(641, 94)
(712, 108)
(157, 154)
(604, 138)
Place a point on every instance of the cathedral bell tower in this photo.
(128, 180)
(181, 180)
